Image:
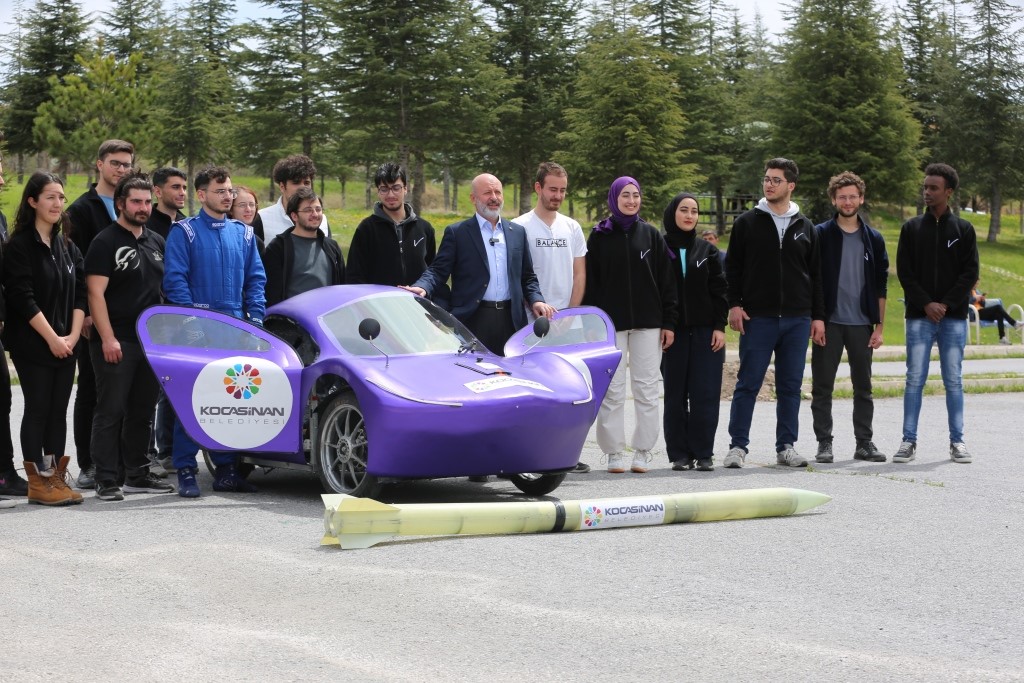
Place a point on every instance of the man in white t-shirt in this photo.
(556, 245)
(290, 174)
(556, 241)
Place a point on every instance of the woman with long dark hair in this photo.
(630, 277)
(44, 286)
(693, 364)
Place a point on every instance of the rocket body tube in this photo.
(362, 522)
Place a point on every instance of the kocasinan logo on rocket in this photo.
(631, 512)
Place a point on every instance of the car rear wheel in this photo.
(537, 484)
(341, 454)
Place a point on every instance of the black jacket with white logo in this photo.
(937, 260)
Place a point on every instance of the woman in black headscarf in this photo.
(692, 367)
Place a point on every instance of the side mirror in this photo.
(541, 327)
(369, 329)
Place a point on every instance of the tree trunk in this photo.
(270, 190)
(446, 175)
(525, 195)
(719, 209)
(455, 194)
(369, 188)
(21, 168)
(418, 183)
(995, 213)
(190, 164)
(341, 179)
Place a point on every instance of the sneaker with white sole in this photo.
(958, 452)
(86, 478)
(735, 457)
(147, 483)
(640, 460)
(906, 452)
(788, 456)
(616, 463)
(1005, 342)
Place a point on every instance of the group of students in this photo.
(665, 290)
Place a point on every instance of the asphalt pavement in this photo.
(912, 573)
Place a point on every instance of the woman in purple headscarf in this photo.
(629, 275)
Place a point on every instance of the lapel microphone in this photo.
(493, 241)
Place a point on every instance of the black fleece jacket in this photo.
(629, 276)
(278, 257)
(40, 279)
(769, 279)
(88, 215)
(378, 257)
(701, 290)
(937, 260)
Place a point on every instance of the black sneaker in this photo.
(148, 483)
(824, 453)
(11, 484)
(108, 490)
(581, 468)
(683, 465)
(869, 452)
(706, 465)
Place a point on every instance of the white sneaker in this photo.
(789, 456)
(616, 462)
(1005, 341)
(906, 452)
(958, 452)
(640, 460)
(1019, 324)
(735, 457)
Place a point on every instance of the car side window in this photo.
(572, 329)
(185, 329)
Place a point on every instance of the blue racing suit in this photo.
(212, 263)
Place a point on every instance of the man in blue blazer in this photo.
(489, 262)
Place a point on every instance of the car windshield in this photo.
(408, 324)
(572, 329)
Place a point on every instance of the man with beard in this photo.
(171, 189)
(489, 262)
(556, 241)
(89, 214)
(302, 258)
(854, 280)
(124, 271)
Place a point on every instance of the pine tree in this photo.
(535, 45)
(992, 126)
(416, 79)
(85, 108)
(53, 33)
(285, 103)
(133, 26)
(839, 106)
(625, 120)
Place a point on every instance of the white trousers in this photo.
(641, 351)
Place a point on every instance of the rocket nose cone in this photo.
(807, 500)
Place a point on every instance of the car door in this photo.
(580, 335)
(234, 386)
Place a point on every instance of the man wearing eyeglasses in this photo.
(392, 246)
(776, 302)
(211, 262)
(302, 257)
(89, 214)
(290, 174)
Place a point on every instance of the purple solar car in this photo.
(364, 385)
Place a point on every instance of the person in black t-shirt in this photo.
(124, 270)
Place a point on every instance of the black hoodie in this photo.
(700, 285)
(937, 261)
(378, 257)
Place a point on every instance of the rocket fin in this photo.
(357, 541)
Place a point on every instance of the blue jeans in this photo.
(787, 339)
(951, 335)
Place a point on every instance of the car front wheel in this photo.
(342, 450)
(537, 484)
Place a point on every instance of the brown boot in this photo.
(46, 490)
(62, 474)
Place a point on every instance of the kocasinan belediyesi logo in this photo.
(242, 381)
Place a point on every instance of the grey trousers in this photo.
(824, 363)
